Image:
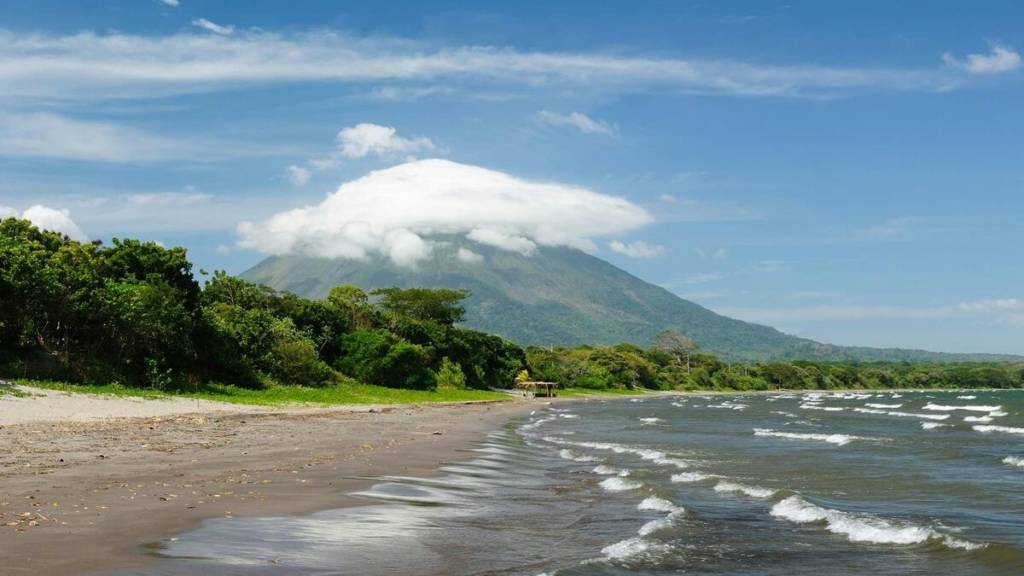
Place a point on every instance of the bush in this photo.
(450, 375)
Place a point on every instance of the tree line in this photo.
(675, 363)
(134, 313)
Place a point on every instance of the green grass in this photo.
(348, 393)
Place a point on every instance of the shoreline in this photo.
(107, 488)
(83, 497)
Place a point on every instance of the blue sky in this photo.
(849, 172)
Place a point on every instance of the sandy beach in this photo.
(87, 481)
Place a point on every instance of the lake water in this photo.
(784, 484)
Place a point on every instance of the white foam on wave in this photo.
(982, 419)
(605, 470)
(728, 406)
(658, 505)
(632, 548)
(970, 408)
(752, 491)
(887, 406)
(837, 439)
(991, 428)
(932, 425)
(536, 423)
(815, 406)
(1014, 461)
(862, 527)
(570, 455)
(570, 416)
(687, 477)
(902, 414)
(651, 420)
(966, 397)
(850, 396)
(656, 456)
(618, 484)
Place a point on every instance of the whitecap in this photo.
(651, 420)
(903, 414)
(656, 456)
(932, 425)
(728, 406)
(983, 419)
(570, 455)
(861, 527)
(691, 477)
(609, 471)
(966, 397)
(838, 439)
(752, 491)
(946, 408)
(657, 504)
(633, 548)
(991, 428)
(888, 406)
(1014, 461)
(617, 484)
(809, 406)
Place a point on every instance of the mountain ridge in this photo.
(563, 296)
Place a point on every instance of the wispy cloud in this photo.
(999, 60)
(49, 135)
(171, 3)
(120, 65)
(360, 141)
(638, 249)
(691, 279)
(1003, 311)
(213, 27)
(298, 175)
(164, 199)
(577, 120)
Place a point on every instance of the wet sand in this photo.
(85, 496)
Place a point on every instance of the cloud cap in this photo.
(392, 212)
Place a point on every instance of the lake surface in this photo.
(784, 484)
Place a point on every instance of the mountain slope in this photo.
(565, 296)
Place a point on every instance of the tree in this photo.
(674, 343)
(450, 375)
(438, 305)
(351, 302)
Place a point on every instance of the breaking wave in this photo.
(837, 439)
(863, 527)
(945, 408)
(618, 484)
(991, 428)
(752, 491)
(1014, 461)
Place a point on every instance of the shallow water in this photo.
(784, 484)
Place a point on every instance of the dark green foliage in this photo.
(133, 313)
(383, 358)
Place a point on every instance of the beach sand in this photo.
(87, 491)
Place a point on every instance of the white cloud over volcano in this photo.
(393, 212)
